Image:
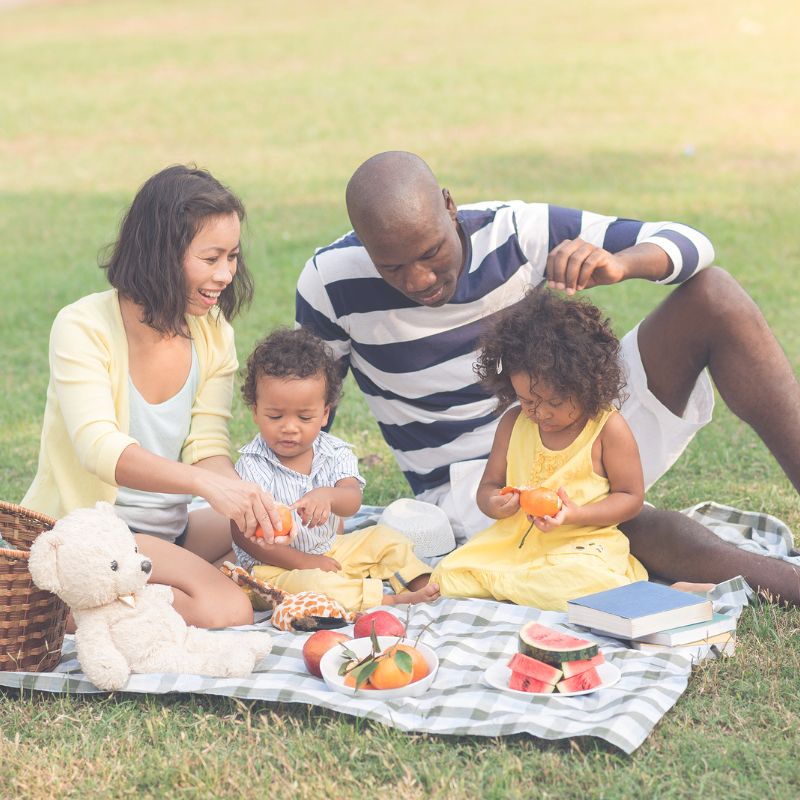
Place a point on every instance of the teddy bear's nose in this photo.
(147, 566)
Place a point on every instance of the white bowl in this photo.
(334, 658)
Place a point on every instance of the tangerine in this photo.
(539, 502)
(285, 514)
(388, 675)
(419, 665)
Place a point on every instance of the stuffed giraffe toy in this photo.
(305, 611)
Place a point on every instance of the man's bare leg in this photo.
(676, 548)
(710, 321)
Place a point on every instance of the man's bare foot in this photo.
(427, 594)
(686, 586)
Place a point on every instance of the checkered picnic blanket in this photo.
(468, 636)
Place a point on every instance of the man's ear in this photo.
(449, 204)
(43, 561)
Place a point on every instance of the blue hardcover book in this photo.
(638, 609)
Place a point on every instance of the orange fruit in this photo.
(419, 666)
(286, 520)
(539, 502)
(509, 490)
(388, 675)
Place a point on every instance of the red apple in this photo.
(317, 645)
(386, 624)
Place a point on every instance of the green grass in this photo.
(674, 111)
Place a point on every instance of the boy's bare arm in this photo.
(281, 555)
(343, 499)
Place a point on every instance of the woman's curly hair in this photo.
(288, 353)
(567, 343)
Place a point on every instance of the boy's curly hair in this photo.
(288, 353)
(567, 343)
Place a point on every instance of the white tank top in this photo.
(160, 428)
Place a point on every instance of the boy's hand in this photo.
(503, 505)
(314, 507)
(325, 563)
(568, 509)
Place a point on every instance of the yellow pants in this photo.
(368, 557)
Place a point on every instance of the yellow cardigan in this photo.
(86, 418)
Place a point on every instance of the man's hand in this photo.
(314, 507)
(575, 265)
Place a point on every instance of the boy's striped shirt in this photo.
(414, 363)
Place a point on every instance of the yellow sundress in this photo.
(554, 567)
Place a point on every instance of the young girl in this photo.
(141, 383)
(558, 359)
(292, 382)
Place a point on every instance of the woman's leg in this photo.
(209, 536)
(204, 597)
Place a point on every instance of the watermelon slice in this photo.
(522, 683)
(588, 679)
(553, 647)
(532, 668)
(573, 668)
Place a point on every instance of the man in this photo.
(403, 298)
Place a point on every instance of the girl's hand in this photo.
(314, 507)
(247, 504)
(547, 524)
(501, 506)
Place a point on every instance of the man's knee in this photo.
(715, 295)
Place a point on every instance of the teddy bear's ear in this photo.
(43, 561)
(106, 508)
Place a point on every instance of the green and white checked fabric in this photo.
(469, 636)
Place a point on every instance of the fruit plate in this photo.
(332, 660)
(498, 676)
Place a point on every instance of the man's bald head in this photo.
(390, 191)
(408, 226)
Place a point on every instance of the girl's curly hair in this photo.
(288, 353)
(567, 343)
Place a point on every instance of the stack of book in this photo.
(656, 617)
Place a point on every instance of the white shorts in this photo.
(661, 437)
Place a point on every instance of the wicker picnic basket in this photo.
(32, 621)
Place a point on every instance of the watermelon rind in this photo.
(524, 683)
(534, 668)
(589, 679)
(573, 668)
(553, 647)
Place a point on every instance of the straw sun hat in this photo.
(424, 523)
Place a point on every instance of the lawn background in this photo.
(650, 110)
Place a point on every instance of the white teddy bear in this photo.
(90, 560)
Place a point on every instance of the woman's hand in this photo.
(247, 504)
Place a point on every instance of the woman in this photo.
(141, 383)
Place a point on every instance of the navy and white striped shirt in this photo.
(414, 363)
(333, 460)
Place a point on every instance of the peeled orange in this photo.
(539, 502)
